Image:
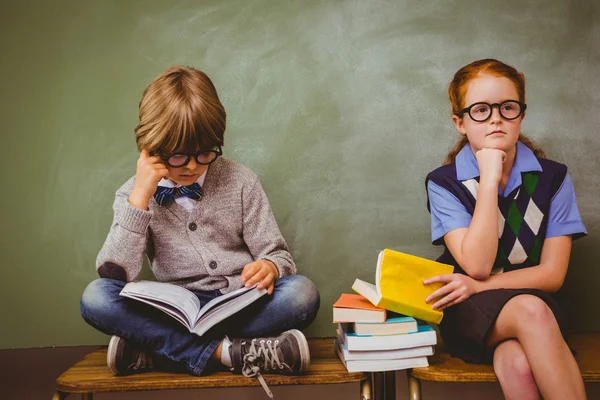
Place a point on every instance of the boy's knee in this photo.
(97, 295)
(302, 291)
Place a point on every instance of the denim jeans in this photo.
(293, 304)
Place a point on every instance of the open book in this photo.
(184, 306)
(399, 284)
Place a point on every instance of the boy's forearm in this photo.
(122, 249)
(480, 244)
(262, 234)
(125, 243)
(283, 262)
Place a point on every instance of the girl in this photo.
(506, 217)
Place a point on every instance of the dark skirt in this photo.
(465, 326)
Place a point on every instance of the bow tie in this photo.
(164, 195)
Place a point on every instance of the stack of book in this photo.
(377, 328)
(372, 339)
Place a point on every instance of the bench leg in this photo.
(390, 385)
(87, 396)
(414, 386)
(366, 389)
(59, 395)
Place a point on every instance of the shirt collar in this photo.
(170, 184)
(525, 161)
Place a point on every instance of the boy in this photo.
(205, 223)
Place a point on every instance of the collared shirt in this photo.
(183, 201)
(448, 213)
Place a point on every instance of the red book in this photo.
(356, 308)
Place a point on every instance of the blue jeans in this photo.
(293, 304)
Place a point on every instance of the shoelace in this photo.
(141, 360)
(261, 356)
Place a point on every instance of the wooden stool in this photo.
(445, 368)
(91, 375)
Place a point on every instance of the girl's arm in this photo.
(475, 247)
(548, 276)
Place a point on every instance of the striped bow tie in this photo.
(164, 195)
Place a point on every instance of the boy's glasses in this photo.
(480, 112)
(203, 158)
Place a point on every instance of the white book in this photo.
(381, 365)
(184, 306)
(425, 336)
(421, 351)
(391, 326)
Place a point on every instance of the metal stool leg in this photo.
(414, 386)
(390, 385)
(366, 389)
(59, 395)
(378, 386)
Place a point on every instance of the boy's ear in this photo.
(459, 124)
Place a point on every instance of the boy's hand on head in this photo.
(150, 170)
(490, 162)
(457, 288)
(263, 272)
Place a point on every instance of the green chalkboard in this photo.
(339, 106)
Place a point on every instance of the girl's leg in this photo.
(514, 373)
(145, 326)
(529, 320)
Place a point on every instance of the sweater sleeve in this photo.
(121, 256)
(261, 233)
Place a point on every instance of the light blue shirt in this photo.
(448, 213)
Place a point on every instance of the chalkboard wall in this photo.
(340, 107)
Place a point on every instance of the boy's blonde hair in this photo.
(180, 112)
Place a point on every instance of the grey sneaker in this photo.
(124, 359)
(287, 354)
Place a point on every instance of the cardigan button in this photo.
(213, 265)
(192, 226)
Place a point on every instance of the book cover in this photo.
(185, 307)
(425, 336)
(420, 351)
(351, 307)
(399, 284)
(391, 326)
(381, 365)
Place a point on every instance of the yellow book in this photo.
(399, 285)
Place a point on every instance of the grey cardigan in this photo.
(205, 249)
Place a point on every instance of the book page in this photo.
(221, 310)
(175, 300)
(221, 299)
(378, 273)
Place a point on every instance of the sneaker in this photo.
(285, 354)
(124, 359)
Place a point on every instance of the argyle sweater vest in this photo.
(522, 215)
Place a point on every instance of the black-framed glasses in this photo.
(482, 111)
(204, 157)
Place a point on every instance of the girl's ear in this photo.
(459, 124)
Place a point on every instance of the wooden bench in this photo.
(91, 375)
(444, 368)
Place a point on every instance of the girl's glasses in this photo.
(203, 158)
(480, 112)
